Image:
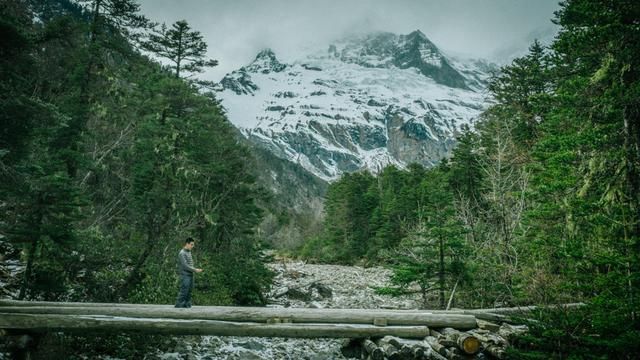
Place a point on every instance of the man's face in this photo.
(189, 245)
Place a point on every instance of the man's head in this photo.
(188, 243)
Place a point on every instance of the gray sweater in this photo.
(185, 263)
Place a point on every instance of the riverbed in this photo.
(299, 285)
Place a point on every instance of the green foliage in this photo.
(575, 334)
(108, 162)
(183, 47)
(121, 17)
(541, 202)
(584, 229)
(432, 255)
(366, 215)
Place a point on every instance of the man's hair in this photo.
(189, 240)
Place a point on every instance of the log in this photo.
(258, 314)
(91, 323)
(430, 353)
(510, 331)
(417, 348)
(395, 348)
(390, 351)
(490, 338)
(492, 344)
(455, 354)
(485, 314)
(393, 341)
(436, 346)
(380, 322)
(5, 302)
(406, 352)
(505, 311)
(487, 325)
(373, 350)
(468, 343)
(417, 352)
(447, 341)
(519, 310)
(489, 316)
(496, 351)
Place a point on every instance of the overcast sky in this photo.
(236, 30)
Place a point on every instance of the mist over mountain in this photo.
(505, 53)
(364, 102)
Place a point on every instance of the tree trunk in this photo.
(374, 352)
(179, 54)
(135, 277)
(253, 314)
(441, 274)
(104, 324)
(435, 345)
(467, 343)
(29, 269)
(631, 116)
(93, 35)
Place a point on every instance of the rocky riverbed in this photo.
(298, 284)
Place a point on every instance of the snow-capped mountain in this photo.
(366, 102)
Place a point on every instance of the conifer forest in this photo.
(114, 149)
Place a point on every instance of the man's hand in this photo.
(198, 270)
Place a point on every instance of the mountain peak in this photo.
(417, 34)
(385, 50)
(265, 54)
(419, 40)
(265, 62)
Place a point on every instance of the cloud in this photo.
(237, 29)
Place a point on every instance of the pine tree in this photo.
(182, 46)
(111, 20)
(432, 254)
(40, 202)
(584, 222)
(118, 17)
(522, 90)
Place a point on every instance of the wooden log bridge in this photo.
(22, 316)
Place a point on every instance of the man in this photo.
(185, 272)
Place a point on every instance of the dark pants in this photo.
(184, 294)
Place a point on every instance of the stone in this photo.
(244, 354)
(251, 345)
(323, 290)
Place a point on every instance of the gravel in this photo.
(300, 285)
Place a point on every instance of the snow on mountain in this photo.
(367, 102)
